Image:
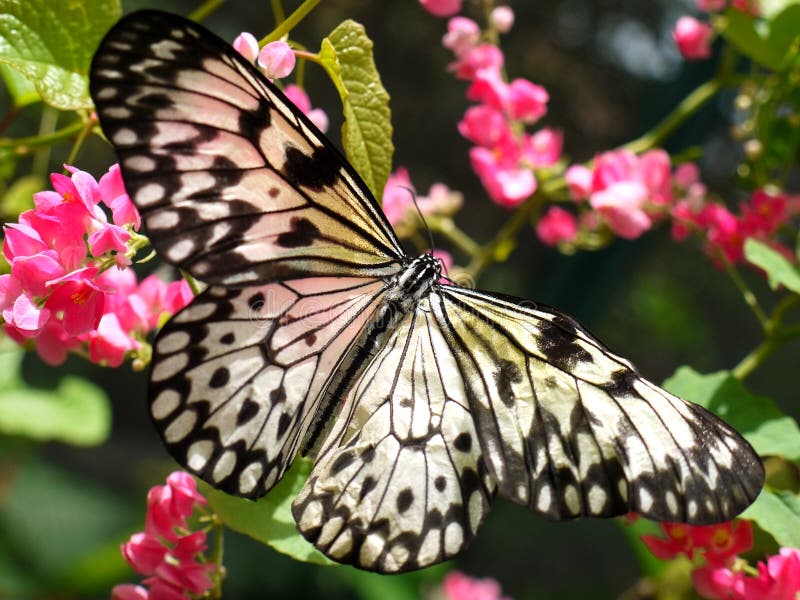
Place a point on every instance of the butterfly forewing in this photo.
(402, 483)
(570, 429)
(238, 374)
(234, 184)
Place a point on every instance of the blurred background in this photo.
(612, 72)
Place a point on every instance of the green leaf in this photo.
(770, 8)
(21, 90)
(768, 42)
(346, 54)
(51, 42)
(19, 196)
(779, 270)
(269, 520)
(777, 513)
(76, 412)
(11, 356)
(758, 419)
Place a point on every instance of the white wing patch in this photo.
(401, 484)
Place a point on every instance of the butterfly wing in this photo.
(570, 429)
(237, 375)
(234, 184)
(402, 483)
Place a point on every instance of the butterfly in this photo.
(419, 401)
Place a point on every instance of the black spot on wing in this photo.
(302, 233)
(463, 442)
(404, 500)
(317, 170)
(251, 122)
(247, 411)
(559, 345)
(219, 378)
(507, 373)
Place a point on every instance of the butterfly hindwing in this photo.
(238, 375)
(401, 484)
(234, 184)
(570, 429)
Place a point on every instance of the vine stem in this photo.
(205, 9)
(687, 107)
(291, 21)
(24, 145)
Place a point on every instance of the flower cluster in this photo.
(277, 60)
(68, 289)
(760, 217)
(457, 586)
(722, 576)
(505, 155)
(168, 552)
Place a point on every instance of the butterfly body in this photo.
(419, 401)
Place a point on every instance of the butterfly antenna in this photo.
(431, 245)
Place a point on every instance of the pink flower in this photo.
(128, 591)
(484, 125)
(724, 541)
(276, 59)
(109, 342)
(527, 102)
(719, 583)
(693, 38)
(543, 148)
(172, 559)
(621, 204)
(78, 300)
(112, 190)
(441, 8)
(507, 185)
(579, 180)
(475, 59)
(398, 196)
(462, 34)
(502, 18)
(557, 225)
(749, 6)
(778, 578)
(299, 97)
(686, 174)
(246, 45)
(764, 213)
(655, 172)
(711, 5)
(168, 506)
(488, 87)
(680, 540)
(457, 586)
(144, 553)
(446, 261)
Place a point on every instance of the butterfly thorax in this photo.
(403, 292)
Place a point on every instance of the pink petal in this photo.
(276, 59)
(441, 8)
(246, 45)
(128, 591)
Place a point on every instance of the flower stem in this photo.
(25, 145)
(205, 9)
(687, 107)
(291, 21)
(447, 227)
(494, 250)
(748, 295)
